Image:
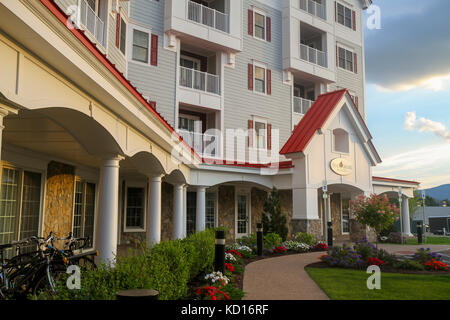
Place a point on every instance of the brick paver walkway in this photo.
(282, 278)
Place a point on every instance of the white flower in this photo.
(217, 276)
(244, 248)
(230, 257)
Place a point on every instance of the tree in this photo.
(374, 211)
(273, 220)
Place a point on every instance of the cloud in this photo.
(411, 49)
(426, 125)
(427, 165)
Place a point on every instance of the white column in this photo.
(178, 211)
(185, 211)
(3, 113)
(200, 210)
(108, 213)
(405, 217)
(154, 210)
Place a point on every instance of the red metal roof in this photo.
(312, 121)
(394, 180)
(315, 118)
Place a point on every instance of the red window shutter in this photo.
(250, 77)
(154, 50)
(354, 20)
(355, 62)
(269, 136)
(118, 30)
(335, 11)
(250, 22)
(250, 133)
(337, 56)
(268, 29)
(357, 102)
(269, 81)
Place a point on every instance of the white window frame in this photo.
(130, 34)
(247, 193)
(351, 15)
(198, 61)
(216, 203)
(257, 64)
(260, 120)
(340, 46)
(124, 17)
(264, 14)
(22, 169)
(135, 184)
(342, 218)
(84, 181)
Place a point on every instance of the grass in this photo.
(430, 240)
(348, 284)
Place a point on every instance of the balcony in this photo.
(212, 25)
(314, 8)
(313, 55)
(206, 145)
(301, 105)
(198, 80)
(89, 20)
(208, 17)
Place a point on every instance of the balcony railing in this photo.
(205, 145)
(302, 105)
(314, 8)
(194, 79)
(313, 55)
(208, 16)
(90, 21)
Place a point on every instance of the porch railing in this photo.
(314, 8)
(208, 16)
(313, 55)
(191, 78)
(205, 145)
(301, 105)
(90, 21)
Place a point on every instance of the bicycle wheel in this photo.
(47, 280)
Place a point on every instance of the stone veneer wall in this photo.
(226, 210)
(258, 197)
(59, 199)
(287, 208)
(304, 225)
(359, 232)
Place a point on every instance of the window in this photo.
(123, 36)
(140, 46)
(190, 63)
(345, 216)
(260, 26)
(345, 58)
(84, 211)
(260, 134)
(341, 141)
(210, 209)
(344, 16)
(260, 79)
(20, 204)
(191, 212)
(135, 209)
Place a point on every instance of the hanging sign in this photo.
(341, 166)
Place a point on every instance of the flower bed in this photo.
(364, 254)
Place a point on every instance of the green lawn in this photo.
(430, 240)
(347, 284)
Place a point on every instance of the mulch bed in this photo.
(322, 265)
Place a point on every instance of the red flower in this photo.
(229, 266)
(374, 261)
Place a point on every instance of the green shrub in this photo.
(272, 240)
(388, 258)
(408, 265)
(249, 241)
(166, 267)
(305, 237)
(273, 219)
(365, 249)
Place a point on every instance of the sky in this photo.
(408, 89)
